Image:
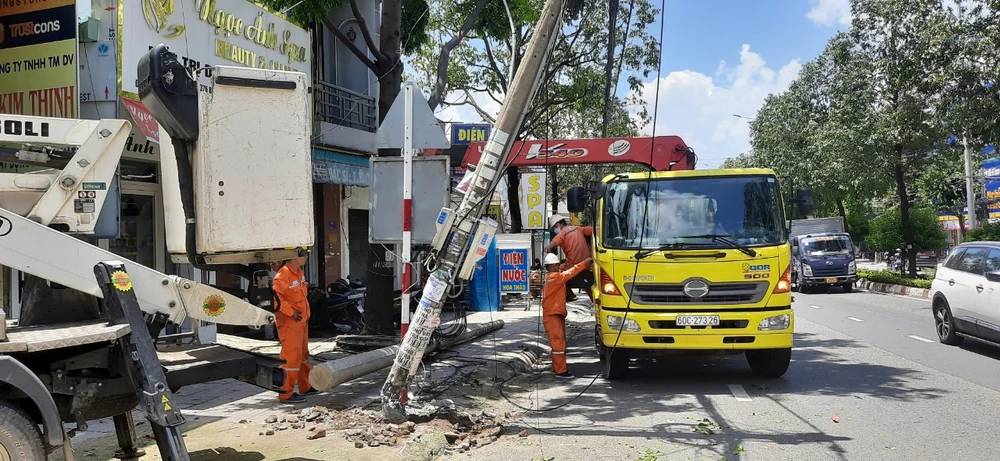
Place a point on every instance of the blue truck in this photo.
(822, 255)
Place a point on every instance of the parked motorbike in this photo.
(340, 308)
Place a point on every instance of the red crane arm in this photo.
(661, 153)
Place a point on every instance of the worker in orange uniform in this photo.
(554, 310)
(292, 319)
(573, 241)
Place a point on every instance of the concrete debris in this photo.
(243, 421)
(283, 427)
(316, 433)
(523, 433)
(451, 437)
(269, 432)
(359, 445)
(271, 419)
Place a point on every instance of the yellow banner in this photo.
(40, 80)
(11, 7)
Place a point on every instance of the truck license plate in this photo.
(697, 320)
(831, 280)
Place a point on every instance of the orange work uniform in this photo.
(291, 289)
(554, 313)
(573, 241)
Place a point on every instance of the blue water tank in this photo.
(484, 288)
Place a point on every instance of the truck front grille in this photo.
(829, 271)
(663, 294)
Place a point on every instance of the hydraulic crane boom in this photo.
(40, 210)
(660, 153)
(459, 227)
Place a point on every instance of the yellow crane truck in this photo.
(691, 262)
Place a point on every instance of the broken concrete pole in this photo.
(334, 372)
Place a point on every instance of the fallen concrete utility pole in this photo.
(452, 256)
(336, 372)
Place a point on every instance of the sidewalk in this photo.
(225, 419)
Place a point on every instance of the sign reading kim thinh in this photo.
(207, 33)
(38, 62)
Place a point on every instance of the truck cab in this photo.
(823, 260)
(690, 263)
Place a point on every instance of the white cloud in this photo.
(830, 12)
(700, 109)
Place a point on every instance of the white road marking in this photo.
(815, 306)
(918, 338)
(855, 319)
(740, 393)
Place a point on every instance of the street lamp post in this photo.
(970, 191)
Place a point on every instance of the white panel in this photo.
(253, 164)
(431, 180)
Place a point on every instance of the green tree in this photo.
(886, 232)
(888, 73)
(570, 99)
(988, 232)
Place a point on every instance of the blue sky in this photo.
(723, 57)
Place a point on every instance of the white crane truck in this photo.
(237, 190)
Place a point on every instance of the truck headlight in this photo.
(778, 322)
(852, 267)
(615, 323)
(807, 270)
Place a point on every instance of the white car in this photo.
(966, 294)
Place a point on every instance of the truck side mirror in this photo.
(576, 199)
(804, 201)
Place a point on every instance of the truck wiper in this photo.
(721, 238)
(669, 246)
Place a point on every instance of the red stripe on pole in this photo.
(407, 214)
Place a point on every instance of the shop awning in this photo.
(340, 168)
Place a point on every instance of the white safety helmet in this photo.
(551, 259)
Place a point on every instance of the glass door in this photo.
(142, 234)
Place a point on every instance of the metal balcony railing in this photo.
(344, 107)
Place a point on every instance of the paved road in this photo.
(868, 381)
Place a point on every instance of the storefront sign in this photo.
(991, 171)
(207, 33)
(533, 200)
(465, 134)
(513, 270)
(38, 60)
(338, 173)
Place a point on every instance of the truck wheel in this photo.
(616, 364)
(804, 289)
(848, 287)
(602, 352)
(20, 439)
(769, 363)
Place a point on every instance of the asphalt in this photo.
(868, 381)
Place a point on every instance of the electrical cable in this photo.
(656, 104)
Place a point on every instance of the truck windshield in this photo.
(747, 209)
(827, 245)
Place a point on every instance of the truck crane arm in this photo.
(41, 211)
(660, 153)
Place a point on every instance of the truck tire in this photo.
(602, 352)
(848, 287)
(616, 364)
(20, 439)
(769, 363)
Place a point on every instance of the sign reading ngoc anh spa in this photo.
(208, 33)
